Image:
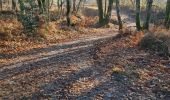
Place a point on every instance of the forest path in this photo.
(97, 68)
(63, 49)
(103, 67)
(52, 68)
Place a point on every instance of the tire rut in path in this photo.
(87, 46)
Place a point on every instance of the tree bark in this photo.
(42, 5)
(109, 11)
(13, 5)
(22, 7)
(167, 17)
(138, 25)
(74, 5)
(68, 14)
(1, 5)
(48, 9)
(148, 16)
(105, 7)
(60, 7)
(132, 3)
(100, 10)
(58, 4)
(79, 5)
(104, 19)
(118, 14)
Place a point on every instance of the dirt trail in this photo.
(99, 68)
(94, 69)
(68, 62)
(56, 51)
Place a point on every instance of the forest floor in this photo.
(113, 68)
(86, 63)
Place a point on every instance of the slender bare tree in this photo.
(118, 14)
(104, 18)
(68, 13)
(100, 10)
(74, 6)
(138, 24)
(1, 5)
(167, 17)
(148, 16)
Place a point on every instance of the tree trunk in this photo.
(22, 7)
(132, 3)
(138, 25)
(61, 6)
(41, 4)
(68, 14)
(100, 10)
(48, 10)
(105, 8)
(148, 10)
(109, 11)
(1, 5)
(167, 17)
(74, 5)
(79, 5)
(58, 4)
(51, 3)
(13, 5)
(118, 14)
(104, 18)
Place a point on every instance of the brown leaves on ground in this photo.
(56, 32)
(157, 40)
(146, 66)
(121, 68)
(9, 28)
(118, 69)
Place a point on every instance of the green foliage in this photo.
(30, 23)
(29, 19)
(29, 16)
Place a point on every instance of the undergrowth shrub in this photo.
(30, 23)
(28, 17)
(9, 28)
(159, 42)
(31, 18)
